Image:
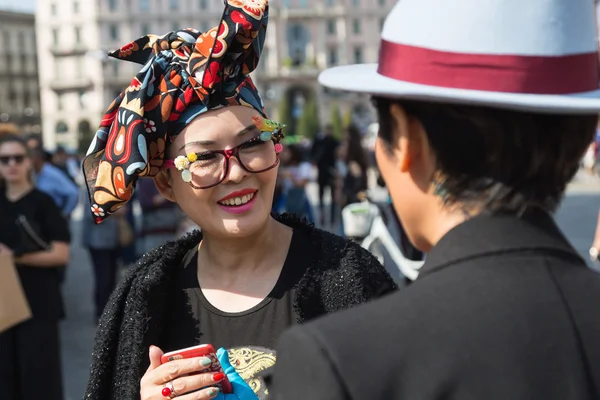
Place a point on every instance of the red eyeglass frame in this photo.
(228, 153)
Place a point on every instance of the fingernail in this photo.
(205, 361)
(213, 392)
(218, 377)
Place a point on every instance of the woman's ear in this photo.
(162, 181)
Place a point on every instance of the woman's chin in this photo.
(243, 225)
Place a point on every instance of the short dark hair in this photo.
(497, 159)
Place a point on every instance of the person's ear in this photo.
(411, 147)
(162, 181)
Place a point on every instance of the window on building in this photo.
(76, 7)
(6, 38)
(113, 31)
(82, 96)
(331, 26)
(59, 101)
(356, 3)
(115, 68)
(175, 26)
(22, 40)
(112, 5)
(303, 3)
(144, 29)
(332, 56)
(53, 9)
(173, 4)
(144, 5)
(330, 3)
(358, 55)
(55, 36)
(381, 23)
(57, 68)
(62, 127)
(356, 26)
(77, 35)
(296, 32)
(79, 67)
(202, 4)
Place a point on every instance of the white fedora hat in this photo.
(537, 55)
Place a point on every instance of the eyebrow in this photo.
(244, 131)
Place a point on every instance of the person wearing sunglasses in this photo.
(193, 121)
(36, 235)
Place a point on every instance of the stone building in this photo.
(305, 36)
(19, 88)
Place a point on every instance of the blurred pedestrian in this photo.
(161, 218)
(34, 231)
(324, 156)
(104, 247)
(51, 180)
(296, 174)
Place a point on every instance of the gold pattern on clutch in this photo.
(249, 362)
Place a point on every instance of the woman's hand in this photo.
(241, 390)
(176, 373)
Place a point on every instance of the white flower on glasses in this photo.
(181, 163)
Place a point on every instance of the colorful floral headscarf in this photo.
(185, 74)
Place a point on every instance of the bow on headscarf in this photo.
(185, 74)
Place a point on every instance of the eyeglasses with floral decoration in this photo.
(209, 168)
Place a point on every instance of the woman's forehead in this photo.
(224, 121)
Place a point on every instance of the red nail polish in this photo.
(218, 377)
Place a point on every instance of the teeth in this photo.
(237, 201)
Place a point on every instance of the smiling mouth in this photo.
(237, 201)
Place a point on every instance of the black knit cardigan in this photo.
(340, 274)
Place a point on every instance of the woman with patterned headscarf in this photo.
(193, 121)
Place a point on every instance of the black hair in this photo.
(356, 152)
(495, 159)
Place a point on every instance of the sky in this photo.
(18, 5)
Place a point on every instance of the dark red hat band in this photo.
(494, 73)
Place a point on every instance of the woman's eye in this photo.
(205, 156)
(252, 143)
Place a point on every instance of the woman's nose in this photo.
(236, 172)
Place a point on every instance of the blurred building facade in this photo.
(19, 87)
(78, 81)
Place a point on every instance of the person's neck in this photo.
(442, 222)
(16, 190)
(250, 254)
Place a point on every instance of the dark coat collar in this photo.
(487, 235)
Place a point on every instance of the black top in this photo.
(504, 308)
(323, 152)
(249, 336)
(41, 284)
(339, 274)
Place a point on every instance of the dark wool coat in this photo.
(340, 274)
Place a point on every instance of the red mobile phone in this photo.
(203, 350)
